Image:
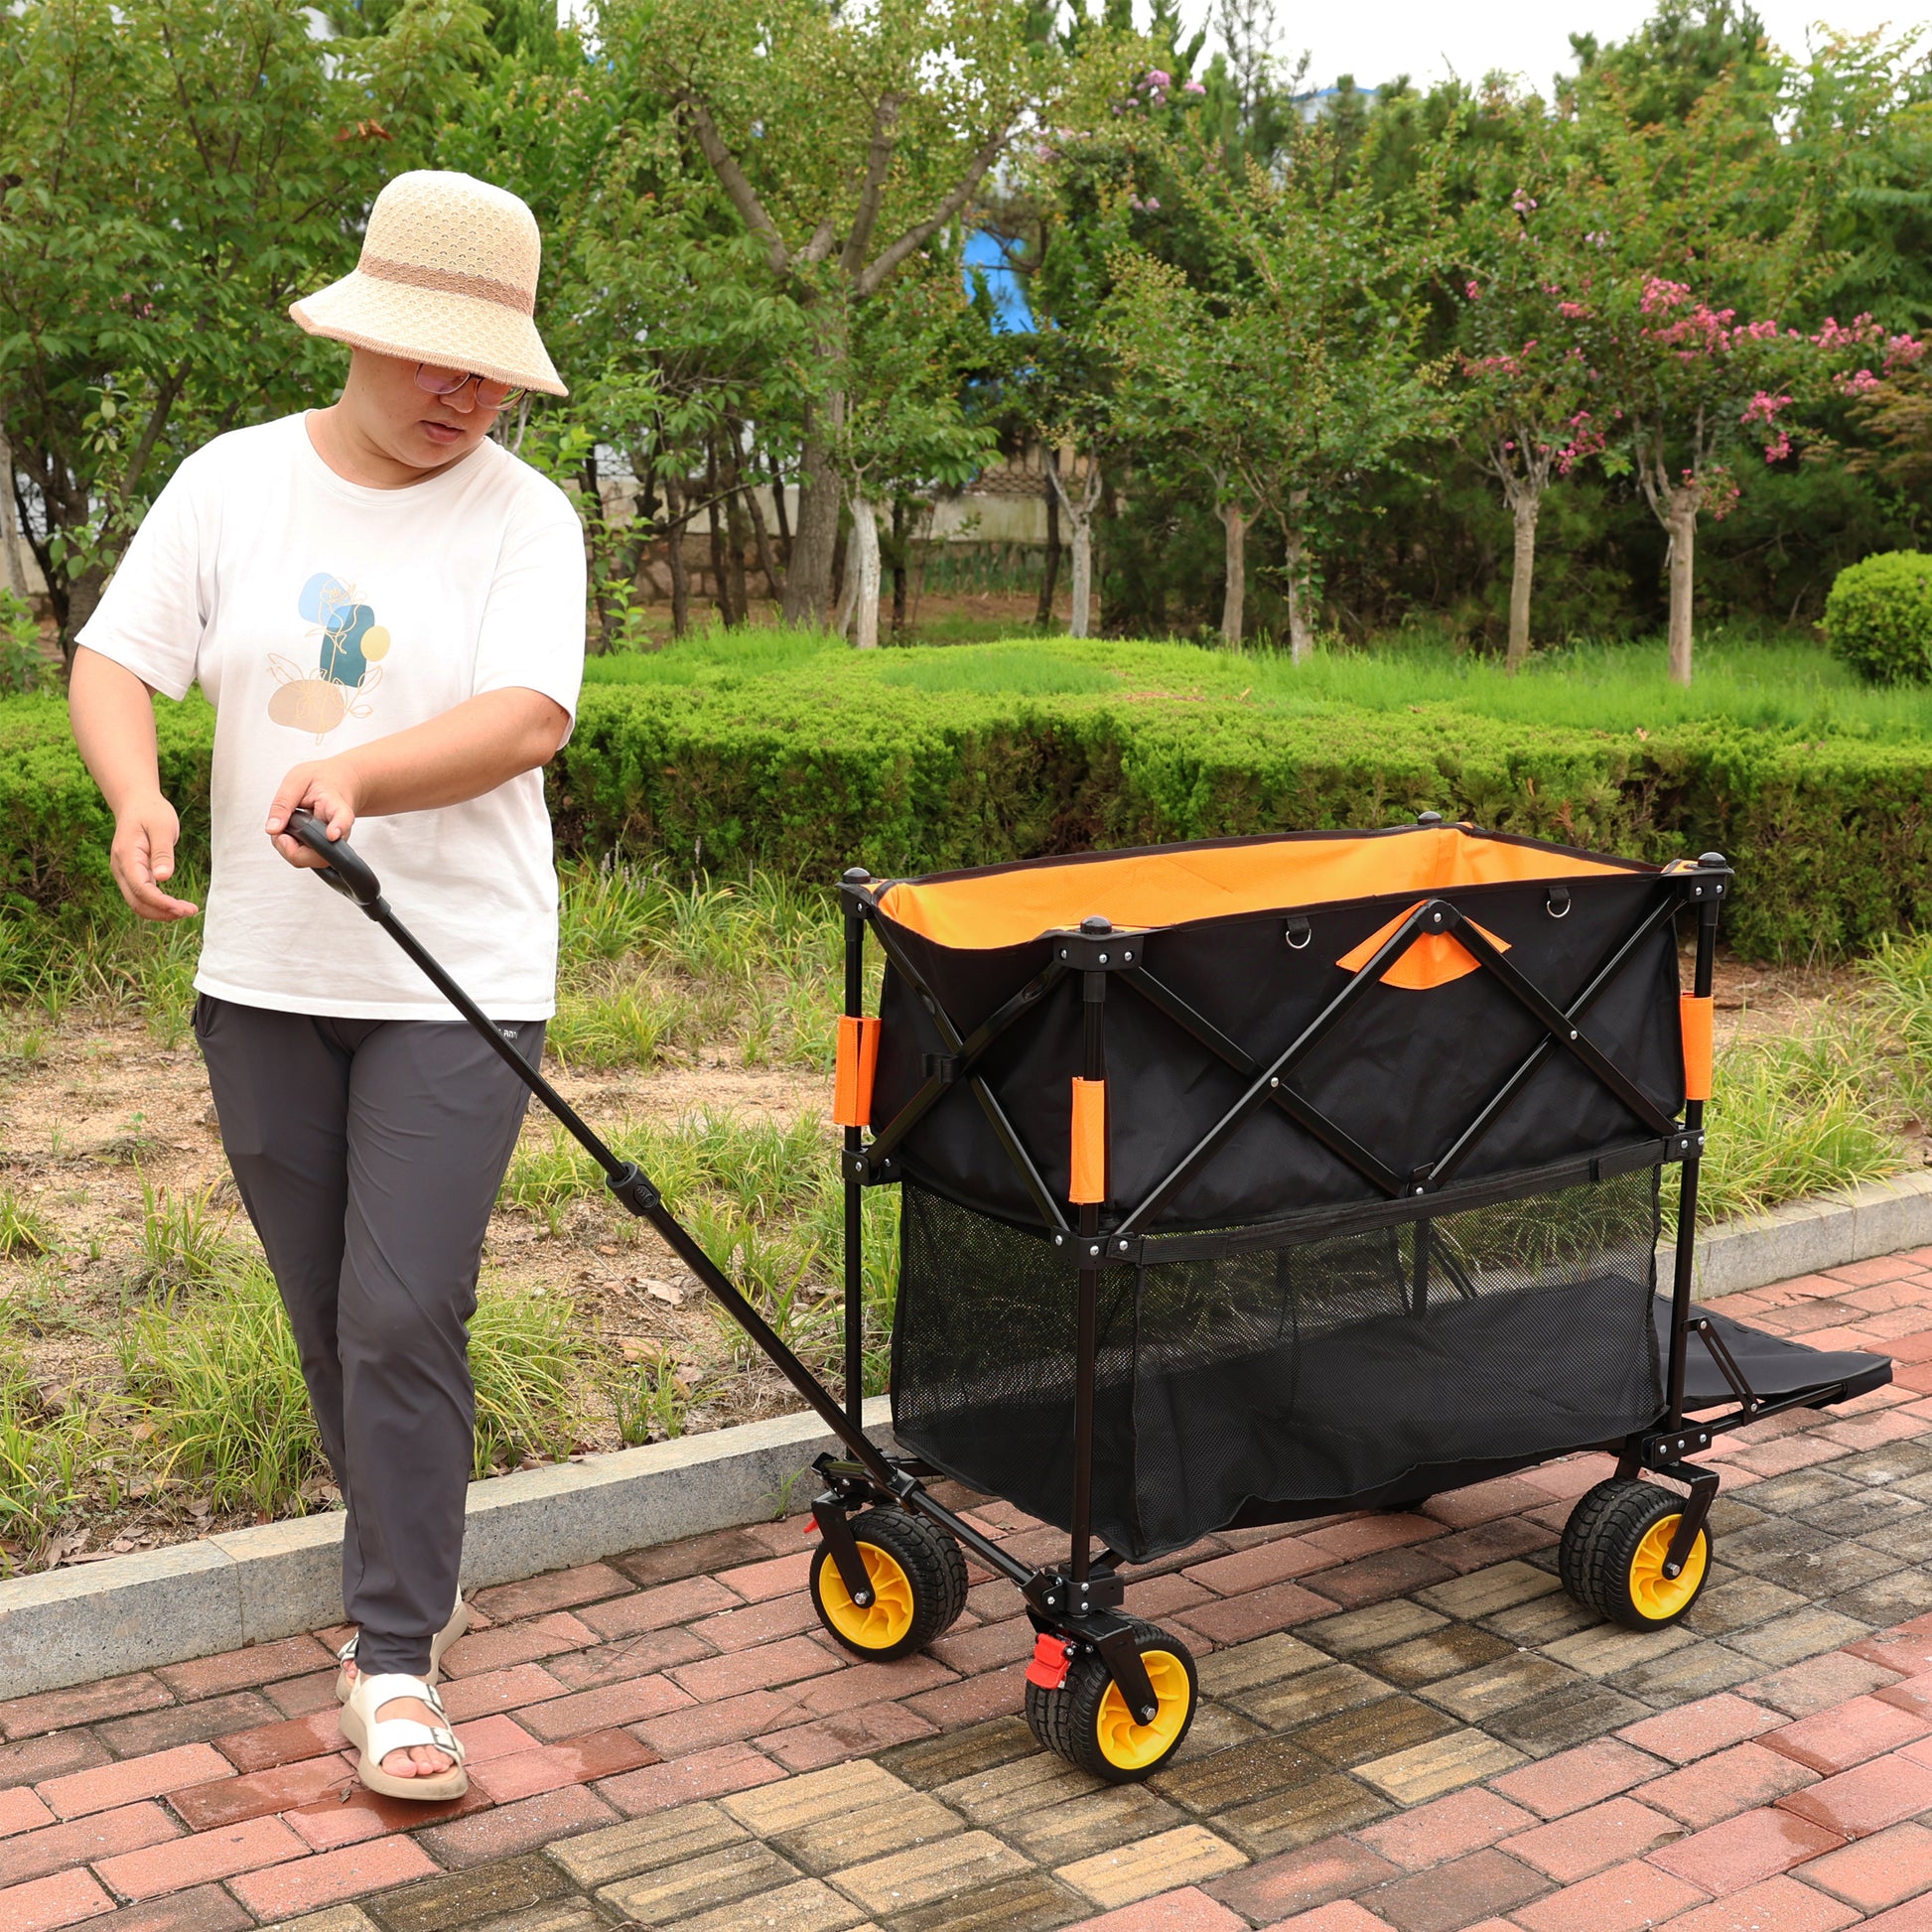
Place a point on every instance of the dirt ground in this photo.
(103, 1111)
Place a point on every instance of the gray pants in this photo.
(369, 1153)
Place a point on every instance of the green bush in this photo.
(22, 668)
(1878, 616)
(783, 753)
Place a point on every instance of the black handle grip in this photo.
(348, 871)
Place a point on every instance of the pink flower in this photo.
(1472, 291)
(1860, 383)
(1522, 201)
(1157, 79)
(1659, 295)
(1192, 87)
(1903, 350)
(1572, 311)
(1763, 408)
(1151, 205)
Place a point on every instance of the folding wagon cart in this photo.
(1248, 1180)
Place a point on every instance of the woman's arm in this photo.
(481, 743)
(112, 715)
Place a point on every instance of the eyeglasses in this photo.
(490, 394)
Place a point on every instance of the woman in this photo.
(386, 609)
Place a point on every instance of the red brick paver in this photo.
(1444, 1743)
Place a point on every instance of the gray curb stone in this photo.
(194, 1600)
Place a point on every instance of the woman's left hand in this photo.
(328, 788)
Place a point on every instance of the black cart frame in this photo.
(1081, 1599)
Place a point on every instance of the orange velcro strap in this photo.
(858, 1060)
(1433, 961)
(1050, 1666)
(1696, 1016)
(1089, 1162)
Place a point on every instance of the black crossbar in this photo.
(1304, 1113)
(1269, 1079)
(1505, 1096)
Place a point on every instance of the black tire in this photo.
(1611, 1551)
(911, 1607)
(1069, 1721)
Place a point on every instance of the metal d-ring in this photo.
(1557, 902)
(1305, 928)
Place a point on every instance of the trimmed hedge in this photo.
(833, 760)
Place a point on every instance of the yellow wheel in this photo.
(1085, 1720)
(918, 1584)
(1614, 1549)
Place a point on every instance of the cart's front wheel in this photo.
(1614, 1546)
(1087, 1721)
(919, 1586)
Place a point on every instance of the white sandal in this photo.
(375, 1737)
(458, 1624)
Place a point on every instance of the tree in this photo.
(1293, 362)
(1670, 213)
(1525, 392)
(173, 173)
(845, 140)
(904, 427)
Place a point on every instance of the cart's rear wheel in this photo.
(1611, 1558)
(919, 1583)
(1087, 1721)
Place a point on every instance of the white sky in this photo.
(1427, 39)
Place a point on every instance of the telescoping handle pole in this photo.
(350, 873)
(1708, 898)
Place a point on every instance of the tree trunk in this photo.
(1081, 516)
(781, 512)
(861, 565)
(720, 586)
(597, 534)
(808, 576)
(775, 578)
(1295, 545)
(900, 570)
(1682, 525)
(675, 520)
(1234, 520)
(1526, 509)
(9, 521)
(738, 529)
(1050, 577)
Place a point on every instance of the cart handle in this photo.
(344, 870)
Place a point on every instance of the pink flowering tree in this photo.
(1527, 394)
(1705, 397)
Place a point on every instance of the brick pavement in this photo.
(1405, 1724)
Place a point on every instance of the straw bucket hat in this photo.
(447, 276)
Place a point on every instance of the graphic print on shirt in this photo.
(351, 646)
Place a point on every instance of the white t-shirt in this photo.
(318, 614)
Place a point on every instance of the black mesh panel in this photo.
(1318, 1370)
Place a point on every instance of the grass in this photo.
(185, 1241)
(23, 1230)
(1787, 684)
(763, 1198)
(219, 1401)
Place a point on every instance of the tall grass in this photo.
(763, 1198)
(653, 967)
(217, 1386)
(44, 1454)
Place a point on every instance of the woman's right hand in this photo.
(143, 857)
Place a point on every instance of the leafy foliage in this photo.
(1878, 616)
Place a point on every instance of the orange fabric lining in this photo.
(1158, 889)
(1433, 961)
(852, 1080)
(1089, 1159)
(1696, 1016)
